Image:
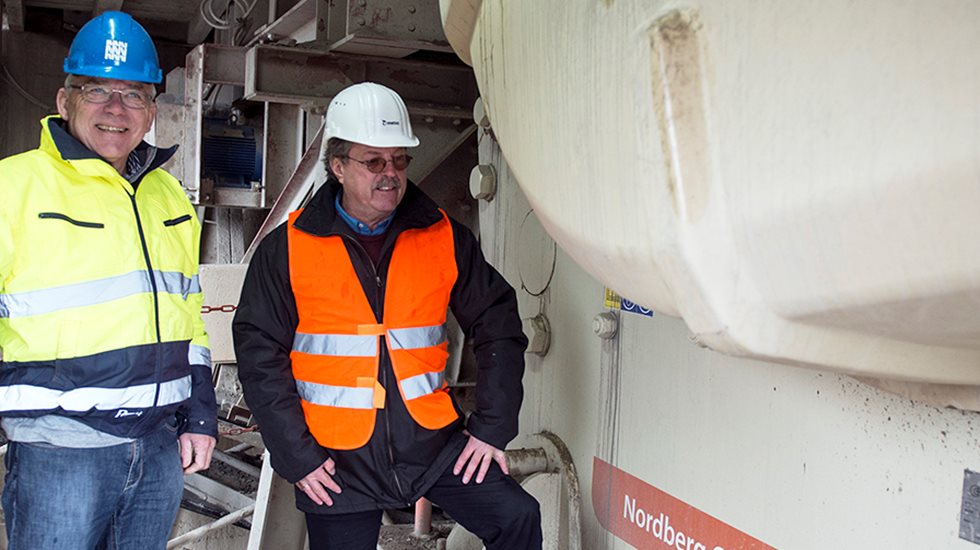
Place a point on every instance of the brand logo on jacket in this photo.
(123, 413)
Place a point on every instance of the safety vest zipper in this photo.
(379, 301)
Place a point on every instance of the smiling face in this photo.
(111, 130)
(370, 197)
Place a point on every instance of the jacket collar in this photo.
(57, 141)
(321, 219)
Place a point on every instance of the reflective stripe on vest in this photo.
(88, 293)
(339, 345)
(23, 397)
(422, 384)
(356, 345)
(353, 345)
(416, 337)
(336, 396)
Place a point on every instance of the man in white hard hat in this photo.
(105, 378)
(341, 340)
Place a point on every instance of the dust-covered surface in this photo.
(400, 537)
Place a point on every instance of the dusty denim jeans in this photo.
(123, 497)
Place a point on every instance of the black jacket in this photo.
(402, 459)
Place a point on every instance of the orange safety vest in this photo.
(336, 352)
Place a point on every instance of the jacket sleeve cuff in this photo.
(499, 437)
(201, 410)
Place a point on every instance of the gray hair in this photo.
(336, 148)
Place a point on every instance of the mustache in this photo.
(388, 181)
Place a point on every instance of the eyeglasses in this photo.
(99, 94)
(378, 164)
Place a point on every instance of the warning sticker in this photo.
(615, 301)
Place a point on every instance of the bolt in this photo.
(361, 22)
(457, 122)
(480, 114)
(429, 120)
(411, 28)
(362, 3)
(605, 325)
(411, 9)
(538, 332)
(483, 182)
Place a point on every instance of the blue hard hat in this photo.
(114, 45)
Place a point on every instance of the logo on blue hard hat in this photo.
(114, 45)
(115, 50)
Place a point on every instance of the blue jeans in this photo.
(123, 497)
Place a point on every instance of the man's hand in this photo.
(478, 454)
(195, 452)
(316, 483)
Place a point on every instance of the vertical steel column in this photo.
(282, 148)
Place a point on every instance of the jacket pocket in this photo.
(177, 220)
(73, 221)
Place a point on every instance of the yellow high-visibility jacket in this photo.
(100, 303)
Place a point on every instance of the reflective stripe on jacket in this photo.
(99, 293)
(336, 352)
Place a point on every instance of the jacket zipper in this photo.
(153, 287)
(384, 372)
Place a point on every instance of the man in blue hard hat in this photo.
(105, 379)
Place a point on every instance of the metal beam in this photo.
(292, 75)
(15, 14)
(282, 148)
(389, 28)
(300, 23)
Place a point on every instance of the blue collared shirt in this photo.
(358, 226)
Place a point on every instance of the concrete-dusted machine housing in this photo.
(798, 181)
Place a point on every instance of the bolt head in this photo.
(483, 182)
(605, 325)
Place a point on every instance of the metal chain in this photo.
(227, 308)
(238, 431)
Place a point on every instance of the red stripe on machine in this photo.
(647, 517)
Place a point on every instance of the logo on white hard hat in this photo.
(390, 122)
(115, 50)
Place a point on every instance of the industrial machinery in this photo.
(742, 234)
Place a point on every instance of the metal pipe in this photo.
(200, 532)
(236, 463)
(423, 517)
(523, 462)
(239, 447)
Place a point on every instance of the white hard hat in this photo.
(370, 114)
